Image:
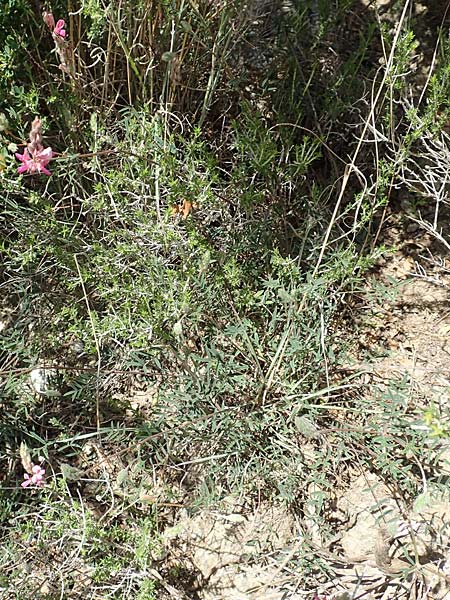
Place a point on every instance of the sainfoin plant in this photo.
(35, 157)
(62, 46)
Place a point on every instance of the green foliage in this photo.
(193, 244)
(104, 554)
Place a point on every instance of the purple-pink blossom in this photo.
(35, 161)
(59, 28)
(36, 478)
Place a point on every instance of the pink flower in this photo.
(37, 477)
(59, 29)
(35, 162)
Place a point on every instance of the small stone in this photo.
(41, 382)
(77, 347)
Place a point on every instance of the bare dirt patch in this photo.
(228, 551)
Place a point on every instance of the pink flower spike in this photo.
(35, 162)
(59, 29)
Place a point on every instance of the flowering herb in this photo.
(62, 46)
(35, 157)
